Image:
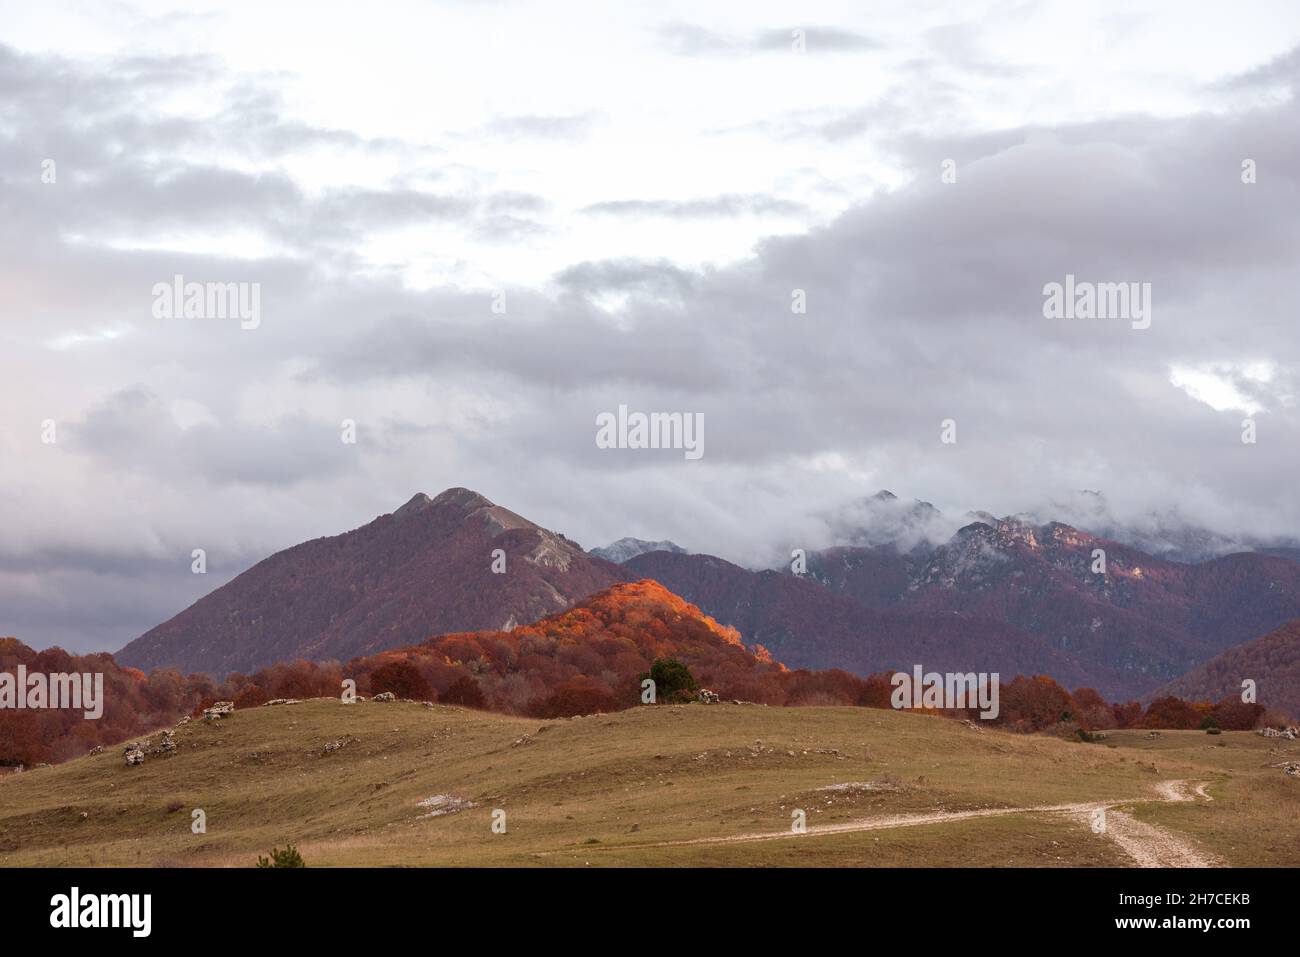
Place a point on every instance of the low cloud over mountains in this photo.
(655, 271)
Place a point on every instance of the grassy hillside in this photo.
(628, 788)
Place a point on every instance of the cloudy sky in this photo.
(476, 226)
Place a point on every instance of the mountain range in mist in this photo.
(886, 519)
(1004, 595)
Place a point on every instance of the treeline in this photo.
(133, 703)
(589, 659)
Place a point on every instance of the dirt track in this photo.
(1147, 844)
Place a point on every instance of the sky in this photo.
(472, 228)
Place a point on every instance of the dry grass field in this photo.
(692, 785)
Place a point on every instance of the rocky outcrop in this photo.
(1290, 734)
(218, 710)
(441, 804)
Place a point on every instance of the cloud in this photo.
(1247, 387)
(688, 39)
(135, 429)
(727, 205)
(1280, 73)
(649, 280)
(130, 173)
(924, 303)
(576, 127)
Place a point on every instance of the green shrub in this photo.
(289, 857)
(674, 682)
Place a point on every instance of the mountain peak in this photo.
(463, 498)
(628, 548)
(417, 502)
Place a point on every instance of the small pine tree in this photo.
(673, 680)
(289, 857)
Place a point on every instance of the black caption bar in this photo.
(142, 908)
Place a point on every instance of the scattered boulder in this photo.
(218, 710)
(384, 696)
(97, 749)
(853, 787)
(706, 696)
(445, 804)
(134, 756)
(275, 701)
(1290, 734)
(1153, 734)
(332, 746)
(183, 721)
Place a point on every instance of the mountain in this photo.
(625, 548)
(885, 519)
(1148, 618)
(998, 594)
(1026, 590)
(1039, 579)
(1163, 533)
(1271, 661)
(588, 658)
(424, 569)
(806, 625)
